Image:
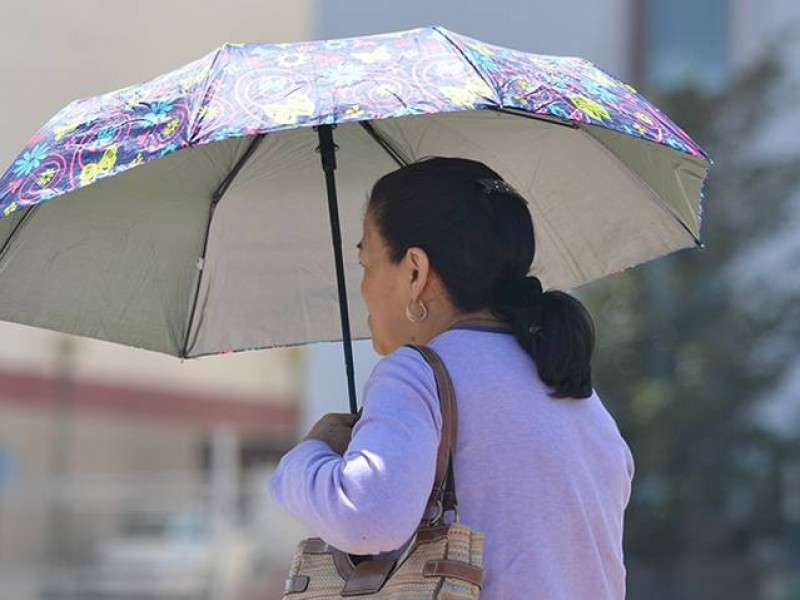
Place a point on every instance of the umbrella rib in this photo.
(393, 152)
(226, 183)
(17, 227)
(547, 118)
(215, 198)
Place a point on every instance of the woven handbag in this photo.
(441, 561)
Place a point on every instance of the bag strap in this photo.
(443, 495)
(369, 576)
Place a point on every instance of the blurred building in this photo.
(108, 454)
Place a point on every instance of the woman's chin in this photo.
(376, 346)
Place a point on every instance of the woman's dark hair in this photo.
(478, 235)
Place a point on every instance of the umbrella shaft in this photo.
(327, 151)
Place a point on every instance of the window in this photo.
(685, 44)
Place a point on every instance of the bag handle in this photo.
(369, 576)
(443, 496)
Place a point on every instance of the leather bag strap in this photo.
(369, 576)
(444, 490)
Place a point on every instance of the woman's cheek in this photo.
(364, 285)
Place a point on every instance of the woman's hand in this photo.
(334, 429)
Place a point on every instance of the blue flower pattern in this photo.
(30, 160)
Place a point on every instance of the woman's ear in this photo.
(420, 268)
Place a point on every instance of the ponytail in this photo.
(555, 329)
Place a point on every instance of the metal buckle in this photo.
(440, 512)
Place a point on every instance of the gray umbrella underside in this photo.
(140, 260)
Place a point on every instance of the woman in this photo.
(540, 466)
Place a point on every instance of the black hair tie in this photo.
(524, 294)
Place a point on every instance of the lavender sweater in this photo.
(546, 480)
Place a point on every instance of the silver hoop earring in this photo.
(414, 318)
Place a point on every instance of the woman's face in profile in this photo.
(385, 289)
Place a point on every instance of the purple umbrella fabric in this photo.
(249, 89)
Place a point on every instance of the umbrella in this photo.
(193, 220)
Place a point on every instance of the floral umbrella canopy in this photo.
(194, 220)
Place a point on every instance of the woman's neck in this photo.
(482, 316)
(445, 322)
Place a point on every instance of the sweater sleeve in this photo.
(371, 499)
